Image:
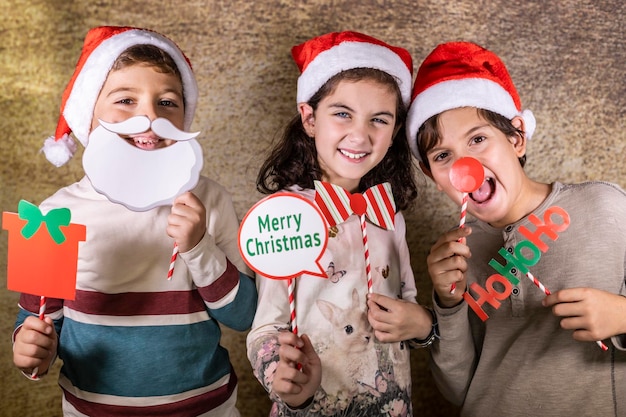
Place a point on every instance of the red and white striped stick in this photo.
(170, 272)
(463, 210)
(466, 175)
(291, 284)
(42, 315)
(42, 307)
(366, 252)
(293, 323)
(538, 283)
(602, 345)
(461, 225)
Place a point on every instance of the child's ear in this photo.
(519, 141)
(307, 115)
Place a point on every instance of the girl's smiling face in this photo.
(353, 127)
(506, 194)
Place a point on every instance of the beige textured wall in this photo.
(567, 58)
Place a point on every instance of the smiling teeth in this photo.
(352, 155)
(145, 141)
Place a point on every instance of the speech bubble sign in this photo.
(283, 236)
(467, 174)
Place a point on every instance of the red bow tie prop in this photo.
(376, 204)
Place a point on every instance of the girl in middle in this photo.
(351, 356)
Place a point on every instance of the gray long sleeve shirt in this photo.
(519, 361)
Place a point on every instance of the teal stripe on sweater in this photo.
(142, 361)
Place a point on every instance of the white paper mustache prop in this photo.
(142, 179)
(161, 127)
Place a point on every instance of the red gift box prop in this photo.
(39, 265)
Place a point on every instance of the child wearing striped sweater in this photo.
(133, 342)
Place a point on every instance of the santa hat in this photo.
(102, 46)
(460, 74)
(321, 58)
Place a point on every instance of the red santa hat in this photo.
(320, 58)
(102, 46)
(463, 74)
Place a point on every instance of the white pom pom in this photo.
(529, 123)
(59, 151)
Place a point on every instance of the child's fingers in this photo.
(188, 199)
(187, 209)
(568, 295)
(455, 234)
(572, 302)
(32, 347)
(289, 338)
(187, 221)
(182, 214)
(289, 379)
(312, 359)
(289, 350)
(30, 356)
(291, 376)
(34, 323)
(34, 330)
(379, 302)
(313, 366)
(447, 249)
(583, 330)
(292, 383)
(448, 270)
(291, 355)
(446, 273)
(447, 262)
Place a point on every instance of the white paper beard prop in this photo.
(141, 179)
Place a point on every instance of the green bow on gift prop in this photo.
(53, 220)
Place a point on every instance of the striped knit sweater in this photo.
(133, 343)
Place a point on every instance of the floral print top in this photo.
(360, 376)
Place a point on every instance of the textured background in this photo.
(566, 57)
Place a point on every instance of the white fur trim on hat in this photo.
(467, 92)
(350, 55)
(80, 104)
(58, 152)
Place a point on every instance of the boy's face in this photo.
(353, 128)
(139, 90)
(504, 196)
(150, 167)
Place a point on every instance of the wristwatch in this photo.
(434, 333)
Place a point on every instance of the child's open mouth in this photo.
(485, 191)
(352, 155)
(145, 143)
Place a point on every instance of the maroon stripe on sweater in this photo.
(31, 303)
(190, 407)
(221, 286)
(137, 303)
